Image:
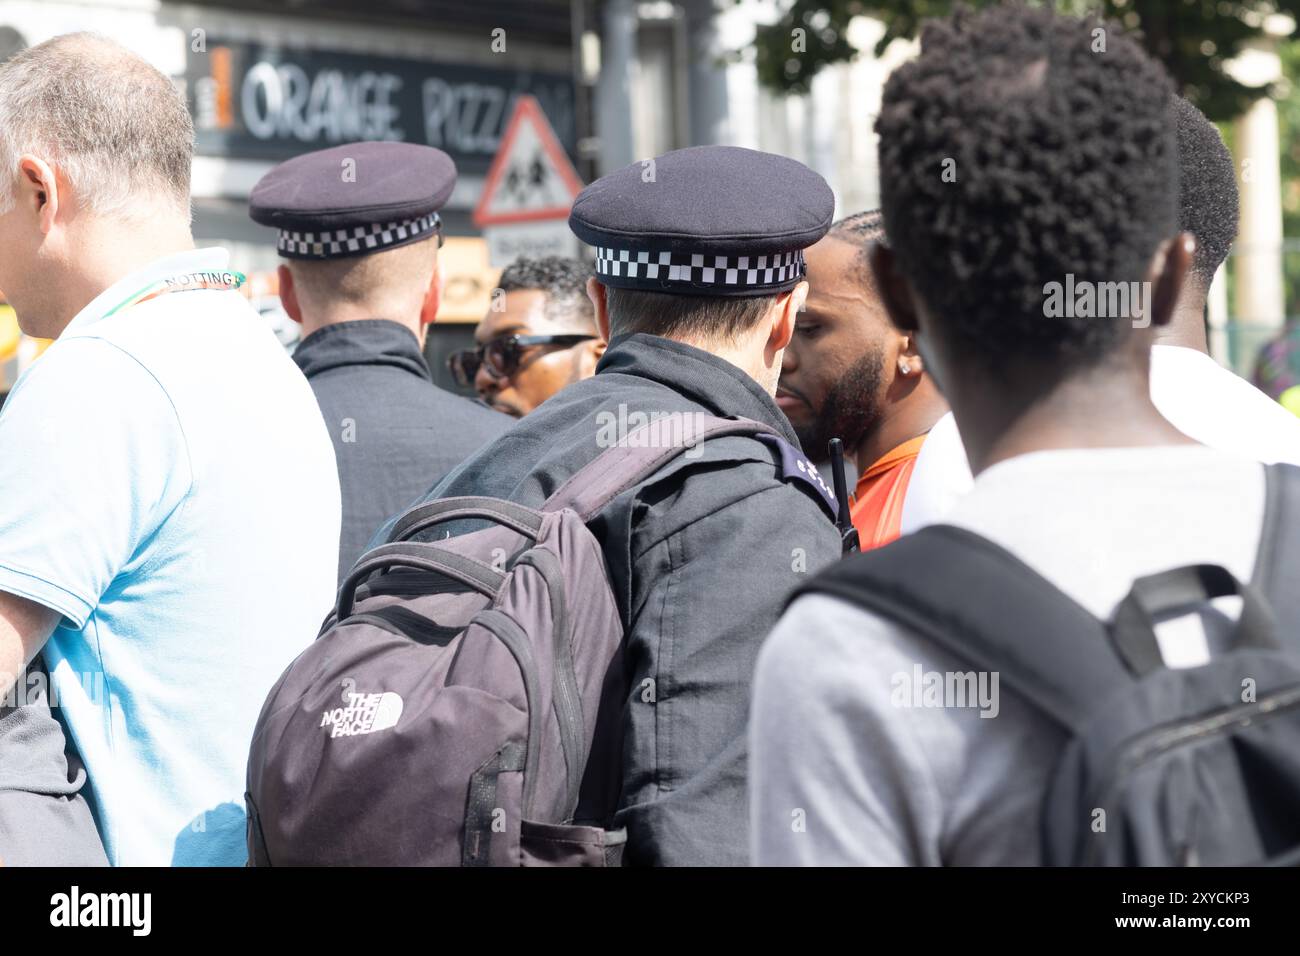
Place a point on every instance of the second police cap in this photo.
(708, 220)
(354, 199)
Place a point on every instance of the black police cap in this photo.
(354, 199)
(708, 220)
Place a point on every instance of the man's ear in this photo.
(288, 294)
(787, 308)
(596, 293)
(432, 297)
(1168, 274)
(895, 294)
(909, 353)
(589, 354)
(39, 186)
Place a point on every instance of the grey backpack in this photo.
(462, 705)
(1163, 767)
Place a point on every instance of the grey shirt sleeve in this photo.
(836, 777)
(851, 764)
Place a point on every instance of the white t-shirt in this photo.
(870, 782)
(1197, 395)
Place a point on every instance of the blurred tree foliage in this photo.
(1288, 115)
(1288, 109)
(1193, 38)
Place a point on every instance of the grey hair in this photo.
(114, 126)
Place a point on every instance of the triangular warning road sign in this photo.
(531, 177)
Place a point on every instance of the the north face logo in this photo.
(364, 714)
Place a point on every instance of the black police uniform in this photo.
(393, 429)
(703, 554)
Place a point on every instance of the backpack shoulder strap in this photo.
(1277, 563)
(983, 604)
(650, 447)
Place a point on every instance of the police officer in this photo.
(359, 233)
(698, 278)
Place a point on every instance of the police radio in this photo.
(848, 533)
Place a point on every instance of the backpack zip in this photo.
(512, 636)
(1162, 739)
(388, 587)
(568, 706)
(415, 628)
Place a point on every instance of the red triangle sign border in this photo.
(526, 106)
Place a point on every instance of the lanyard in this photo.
(227, 280)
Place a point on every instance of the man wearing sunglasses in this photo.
(359, 233)
(538, 336)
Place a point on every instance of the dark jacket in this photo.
(394, 431)
(701, 556)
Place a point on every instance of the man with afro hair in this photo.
(1195, 393)
(1021, 147)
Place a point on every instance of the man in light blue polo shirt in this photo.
(146, 460)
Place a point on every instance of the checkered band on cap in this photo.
(355, 240)
(703, 272)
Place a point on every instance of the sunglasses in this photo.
(503, 357)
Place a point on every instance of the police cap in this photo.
(354, 199)
(708, 220)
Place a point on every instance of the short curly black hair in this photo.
(1207, 200)
(562, 278)
(1021, 146)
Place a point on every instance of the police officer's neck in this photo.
(316, 315)
(746, 353)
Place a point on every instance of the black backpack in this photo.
(1163, 767)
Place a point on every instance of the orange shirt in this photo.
(877, 507)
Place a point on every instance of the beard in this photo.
(851, 409)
